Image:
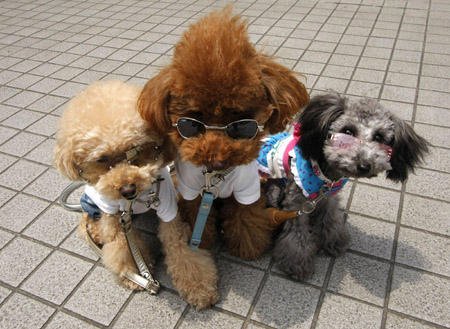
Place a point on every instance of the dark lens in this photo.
(245, 129)
(190, 128)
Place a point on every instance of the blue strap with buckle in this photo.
(202, 216)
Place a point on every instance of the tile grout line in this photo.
(398, 226)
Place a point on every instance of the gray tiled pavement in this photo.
(397, 273)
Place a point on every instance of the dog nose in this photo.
(128, 191)
(217, 165)
(363, 168)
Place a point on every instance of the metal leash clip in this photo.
(212, 178)
(309, 206)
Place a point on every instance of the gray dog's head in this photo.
(381, 141)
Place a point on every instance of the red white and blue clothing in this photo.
(280, 156)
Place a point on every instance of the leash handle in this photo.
(200, 222)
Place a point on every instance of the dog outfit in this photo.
(94, 203)
(242, 182)
(280, 156)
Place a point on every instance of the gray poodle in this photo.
(334, 139)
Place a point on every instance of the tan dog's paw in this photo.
(194, 274)
(129, 284)
(199, 295)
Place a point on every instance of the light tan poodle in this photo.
(103, 140)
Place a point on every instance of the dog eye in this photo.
(103, 160)
(348, 131)
(378, 138)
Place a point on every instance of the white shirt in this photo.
(242, 182)
(167, 209)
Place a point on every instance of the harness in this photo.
(307, 174)
(209, 192)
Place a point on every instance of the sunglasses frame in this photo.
(352, 140)
(259, 127)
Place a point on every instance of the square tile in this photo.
(421, 295)
(286, 304)
(213, 318)
(20, 211)
(340, 312)
(76, 244)
(47, 104)
(437, 136)
(43, 153)
(63, 320)
(375, 202)
(237, 286)
(423, 250)
(365, 89)
(433, 115)
(22, 119)
(23, 256)
(20, 174)
(5, 237)
(23, 99)
(99, 297)
(22, 312)
(49, 185)
(416, 213)
(4, 292)
(360, 277)
(161, 311)
(395, 321)
(371, 236)
(55, 279)
(396, 93)
(21, 143)
(53, 225)
(429, 183)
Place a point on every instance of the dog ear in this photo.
(315, 122)
(287, 95)
(408, 150)
(63, 159)
(153, 103)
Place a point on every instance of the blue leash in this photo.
(208, 192)
(200, 222)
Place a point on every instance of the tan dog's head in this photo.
(217, 77)
(103, 140)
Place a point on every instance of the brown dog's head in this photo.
(217, 77)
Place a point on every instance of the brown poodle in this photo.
(217, 99)
(103, 140)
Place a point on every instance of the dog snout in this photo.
(128, 191)
(363, 168)
(217, 165)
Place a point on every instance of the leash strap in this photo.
(151, 285)
(200, 222)
(295, 138)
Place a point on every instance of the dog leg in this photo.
(116, 253)
(247, 228)
(296, 247)
(334, 236)
(193, 271)
(87, 224)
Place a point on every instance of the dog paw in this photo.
(200, 296)
(337, 248)
(129, 284)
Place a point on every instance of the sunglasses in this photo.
(344, 141)
(242, 129)
(148, 151)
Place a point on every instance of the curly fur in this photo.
(217, 77)
(102, 121)
(324, 229)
